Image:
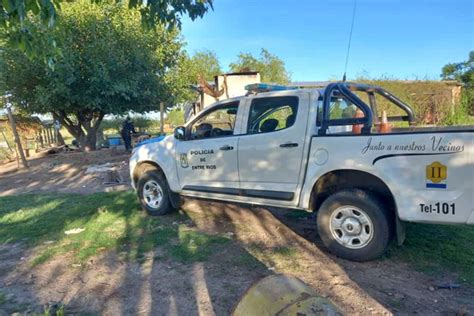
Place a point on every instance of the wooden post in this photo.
(41, 137)
(46, 139)
(17, 138)
(50, 136)
(6, 141)
(162, 126)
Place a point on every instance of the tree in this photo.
(463, 71)
(108, 65)
(14, 15)
(206, 64)
(186, 73)
(175, 117)
(271, 68)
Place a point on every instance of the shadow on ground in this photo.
(64, 172)
(198, 261)
(145, 265)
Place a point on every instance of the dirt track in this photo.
(381, 286)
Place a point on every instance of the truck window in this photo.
(272, 114)
(341, 109)
(216, 123)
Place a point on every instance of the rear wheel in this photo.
(154, 193)
(354, 225)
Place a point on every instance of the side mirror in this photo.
(179, 132)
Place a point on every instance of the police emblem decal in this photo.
(183, 158)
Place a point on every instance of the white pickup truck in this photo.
(301, 149)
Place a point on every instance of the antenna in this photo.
(350, 39)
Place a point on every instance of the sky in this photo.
(404, 39)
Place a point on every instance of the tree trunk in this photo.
(17, 138)
(88, 142)
(162, 122)
(84, 127)
(61, 139)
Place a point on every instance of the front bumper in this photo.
(132, 165)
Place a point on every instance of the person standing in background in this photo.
(127, 130)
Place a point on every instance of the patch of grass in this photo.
(282, 257)
(297, 214)
(247, 260)
(438, 248)
(284, 251)
(111, 221)
(195, 246)
(55, 311)
(3, 298)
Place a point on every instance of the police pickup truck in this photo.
(321, 150)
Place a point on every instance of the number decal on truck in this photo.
(439, 208)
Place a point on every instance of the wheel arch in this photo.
(341, 179)
(143, 166)
(147, 165)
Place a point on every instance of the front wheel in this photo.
(354, 225)
(154, 193)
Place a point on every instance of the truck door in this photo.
(207, 158)
(270, 153)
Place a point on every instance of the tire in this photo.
(354, 225)
(154, 193)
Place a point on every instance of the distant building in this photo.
(223, 87)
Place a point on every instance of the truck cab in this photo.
(319, 150)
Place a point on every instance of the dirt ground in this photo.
(112, 286)
(66, 172)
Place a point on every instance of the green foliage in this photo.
(175, 117)
(195, 246)
(186, 73)
(463, 112)
(431, 100)
(179, 80)
(169, 12)
(206, 64)
(111, 221)
(57, 311)
(463, 71)
(109, 64)
(142, 124)
(15, 13)
(271, 68)
(439, 248)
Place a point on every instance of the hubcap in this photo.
(351, 227)
(152, 194)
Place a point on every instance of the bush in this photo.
(431, 100)
(463, 112)
(142, 124)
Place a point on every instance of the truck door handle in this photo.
(286, 145)
(226, 147)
